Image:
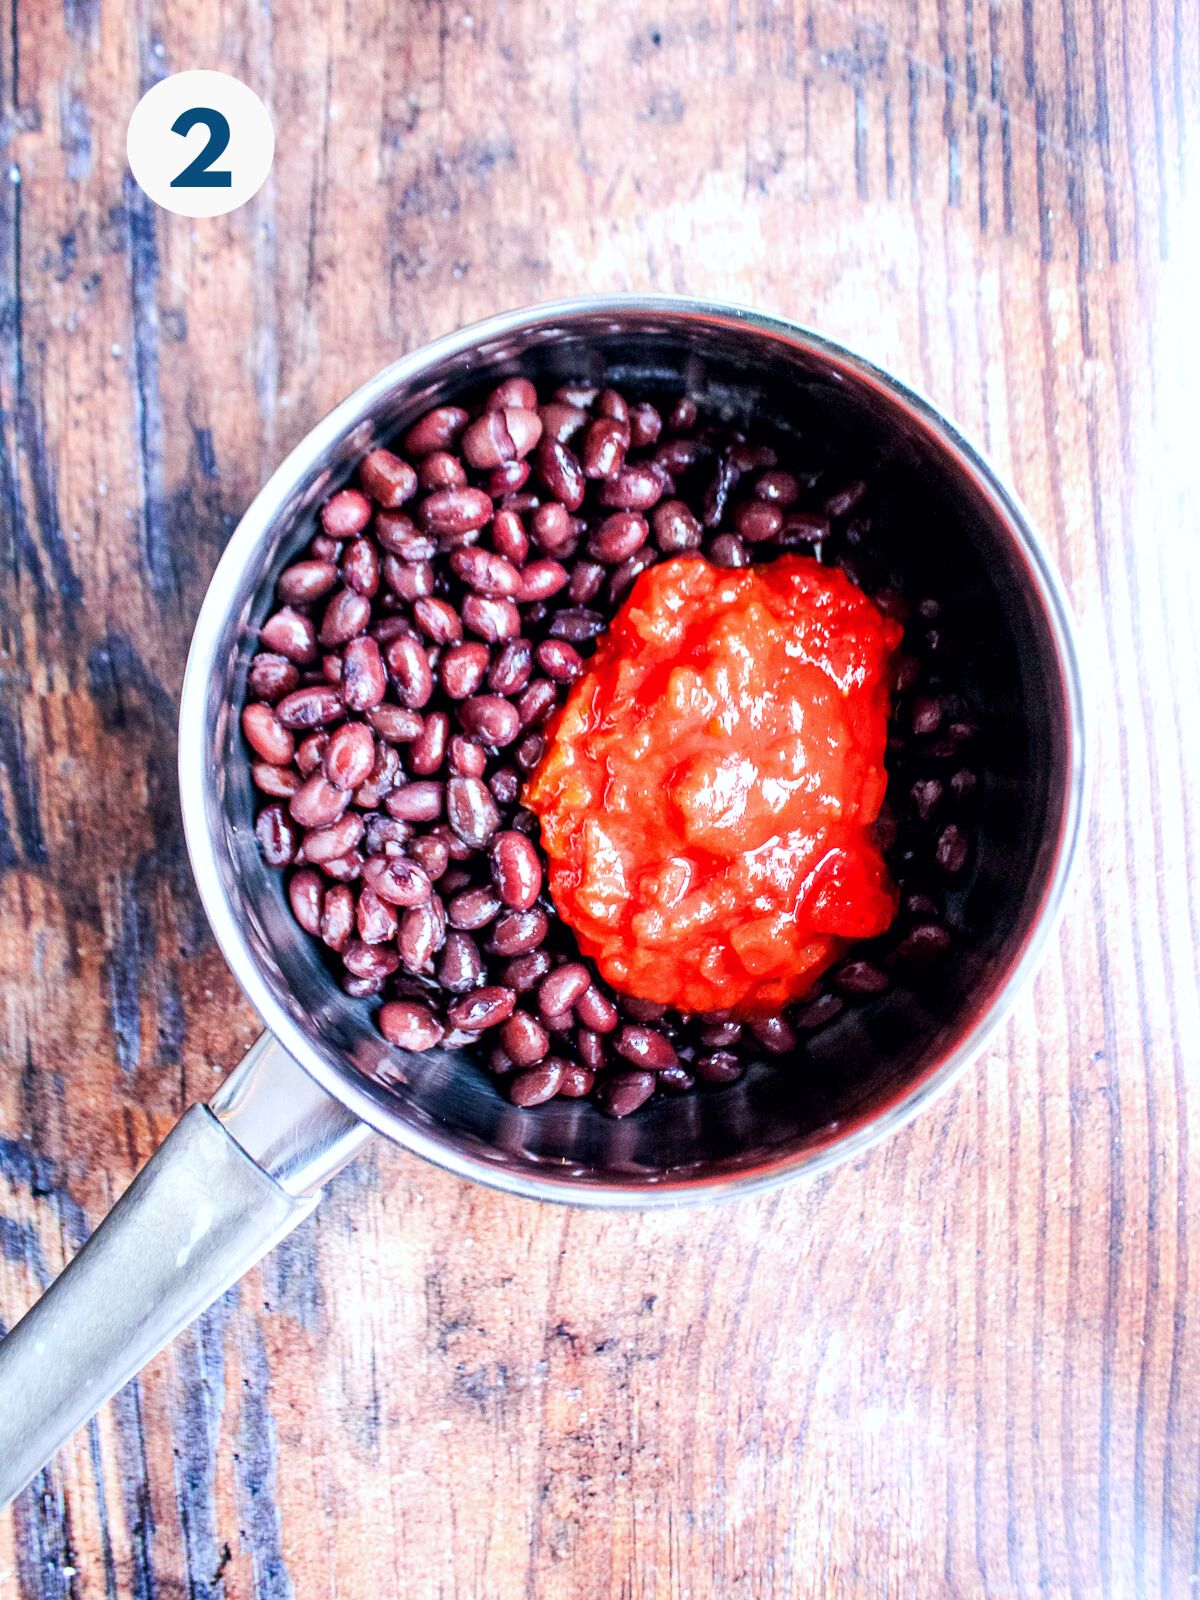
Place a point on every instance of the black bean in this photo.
(923, 942)
(431, 854)
(328, 843)
(559, 660)
(473, 908)
(455, 511)
(517, 932)
(538, 1084)
(562, 420)
(511, 670)
(777, 488)
(633, 488)
(421, 935)
(461, 967)
(505, 785)
(409, 1025)
(618, 536)
(801, 528)
(953, 848)
(485, 573)
(277, 836)
(428, 750)
(558, 468)
(837, 505)
(536, 704)
(539, 580)
(398, 881)
(927, 713)
(553, 532)
(440, 471)
(462, 668)
(719, 1035)
(530, 751)
(646, 1047)
(721, 1066)
(727, 550)
(401, 539)
(512, 392)
(466, 758)
(500, 435)
(306, 896)
(337, 917)
(757, 522)
(317, 802)
(411, 673)
(306, 581)
(471, 810)
(642, 1010)
(344, 618)
(861, 977)
(602, 453)
(345, 868)
(524, 1038)
(310, 753)
(587, 579)
(364, 680)
(482, 1008)
(417, 802)
(577, 624)
(775, 1034)
(360, 988)
(381, 780)
(525, 972)
(290, 634)
(563, 987)
(370, 960)
(963, 784)
(346, 513)
(675, 527)
(591, 1049)
(271, 676)
(490, 719)
(386, 835)
(374, 918)
(516, 870)
(818, 1012)
(645, 425)
(927, 796)
(716, 496)
(596, 1011)
(279, 782)
(490, 618)
(388, 479)
(267, 736)
(436, 429)
(623, 1092)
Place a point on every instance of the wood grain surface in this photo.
(967, 1365)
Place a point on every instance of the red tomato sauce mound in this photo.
(708, 789)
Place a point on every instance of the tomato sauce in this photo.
(708, 789)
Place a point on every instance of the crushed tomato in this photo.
(708, 789)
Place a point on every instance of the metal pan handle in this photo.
(228, 1182)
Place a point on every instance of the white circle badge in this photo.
(200, 143)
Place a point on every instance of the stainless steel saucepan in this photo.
(235, 1175)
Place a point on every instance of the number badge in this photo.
(200, 143)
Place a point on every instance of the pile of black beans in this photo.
(419, 646)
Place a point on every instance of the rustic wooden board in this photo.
(967, 1365)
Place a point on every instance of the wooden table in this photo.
(967, 1365)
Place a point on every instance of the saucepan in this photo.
(237, 1174)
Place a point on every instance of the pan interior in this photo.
(948, 538)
